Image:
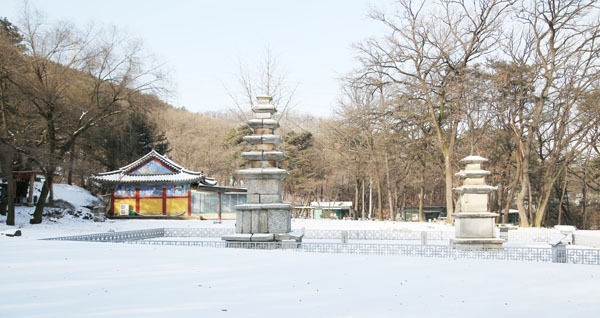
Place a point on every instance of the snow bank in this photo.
(85, 279)
(75, 195)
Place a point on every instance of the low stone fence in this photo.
(587, 238)
(560, 254)
(532, 235)
(123, 236)
(198, 232)
(382, 235)
(520, 235)
(524, 254)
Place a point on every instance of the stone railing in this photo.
(560, 254)
(532, 235)
(522, 235)
(124, 236)
(525, 254)
(383, 235)
(587, 238)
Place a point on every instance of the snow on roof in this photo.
(333, 204)
(176, 174)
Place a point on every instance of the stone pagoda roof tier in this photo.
(153, 168)
(472, 173)
(263, 123)
(474, 188)
(263, 139)
(473, 159)
(263, 155)
(263, 173)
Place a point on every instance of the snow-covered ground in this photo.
(85, 279)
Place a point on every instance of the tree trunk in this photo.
(39, 207)
(421, 195)
(541, 209)
(584, 198)
(499, 203)
(530, 204)
(389, 187)
(562, 197)
(396, 198)
(3, 202)
(370, 198)
(403, 203)
(379, 201)
(6, 161)
(523, 218)
(511, 191)
(71, 161)
(362, 206)
(355, 208)
(449, 195)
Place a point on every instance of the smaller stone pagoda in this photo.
(264, 217)
(474, 225)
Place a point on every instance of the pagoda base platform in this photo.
(287, 240)
(476, 243)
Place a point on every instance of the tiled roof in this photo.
(181, 174)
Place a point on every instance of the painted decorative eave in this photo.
(180, 175)
(149, 156)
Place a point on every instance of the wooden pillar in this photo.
(31, 189)
(189, 202)
(137, 201)
(220, 205)
(52, 192)
(164, 201)
(112, 202)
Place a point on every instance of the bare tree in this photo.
(428, 53)
(266, 78)
(561, 43)
(76, 80)
(11, 64)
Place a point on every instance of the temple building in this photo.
(154, 185)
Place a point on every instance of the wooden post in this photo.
(164, 201)
(31, 189)
(220, 205)
(52, 191)
(112, 202)
(137, 200)
(189, 202)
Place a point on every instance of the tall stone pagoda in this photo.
(474, 225)
(264, 217)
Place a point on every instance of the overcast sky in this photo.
(202, 42)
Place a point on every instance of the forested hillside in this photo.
(75, 103)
